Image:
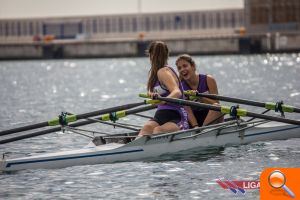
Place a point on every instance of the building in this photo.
(124, 26)
(262, 26)
(274, 24)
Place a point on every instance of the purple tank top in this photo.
(163, 91)
(202, 86)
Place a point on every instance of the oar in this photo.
(225, 109)
(113, 116)
(112, 124)
(267, 105)
(76, 124)
(71, 118)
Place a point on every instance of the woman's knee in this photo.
(158, 129)
(148, 127)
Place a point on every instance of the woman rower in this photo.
(163, 81)
(201, 83)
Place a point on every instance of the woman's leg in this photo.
(211, 116)
(148, 128)
(165, 128)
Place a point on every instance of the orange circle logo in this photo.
(277, 179)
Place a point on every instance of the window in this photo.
(87, 26)
(225, 16)
(134, 24)
(37, 28)
(241, 19)
(113, 25)
(107, 25)
(80, 28)
(189, 21)
(196, 20)
(95, 26)
(233, 20)
(161, 23)
(127, 25)
(218, 20)
(259, 14)
(147, 24)
(31, 28)
(121, 28)
(210, 20)
(285, 11)
(1, 29)
(11, 29)
(6, 29)
(100, 25)
(168, 24)
(204, 21)
(71, 29)
(25, 29)
(177, 22)
(154, 23)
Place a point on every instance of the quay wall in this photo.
(114, 48)
(133, 48)
(17, 51)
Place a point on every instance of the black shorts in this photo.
(164, 116)
(200, 116)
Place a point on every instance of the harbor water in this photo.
(39, 90)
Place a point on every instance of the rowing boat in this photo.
(224, 134)
(107, 149)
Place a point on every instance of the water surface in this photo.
(35, 91)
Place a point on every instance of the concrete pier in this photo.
(131, 48)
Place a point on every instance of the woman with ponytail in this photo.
(163, 81)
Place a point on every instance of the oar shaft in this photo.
(76, 124)
(223, 109)
(114, 109)
(267, 105)
(232, 99)
(138, 110)
(80, 116)
(21, 137)
(113, 124)
(43, 132)
(190, 103)
(123, 113)
(24, 128)
(273, 118)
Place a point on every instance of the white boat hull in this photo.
(144, 148)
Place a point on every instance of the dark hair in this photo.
(159, 54)
(187, 58)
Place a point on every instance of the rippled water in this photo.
(35, 91)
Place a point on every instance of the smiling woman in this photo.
(201, 83)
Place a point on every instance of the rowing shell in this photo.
(220, 135)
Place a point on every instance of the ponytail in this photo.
(159, 54)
